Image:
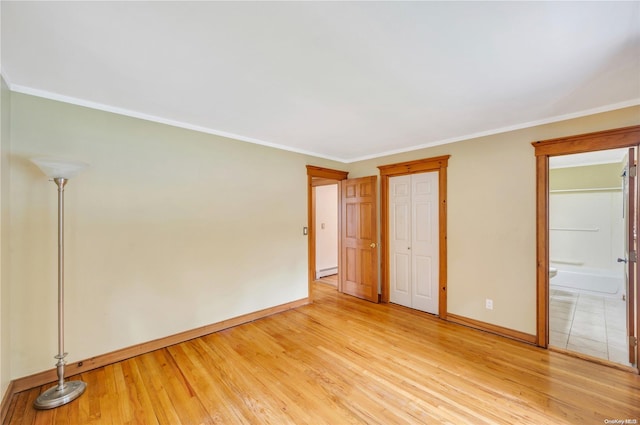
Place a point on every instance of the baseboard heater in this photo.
(326, 272)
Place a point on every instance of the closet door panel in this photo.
(424, 244)
(400, 240)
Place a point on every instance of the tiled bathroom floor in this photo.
(588, 324)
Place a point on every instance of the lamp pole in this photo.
(63, 392)
(60, 182)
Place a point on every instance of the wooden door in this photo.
(359, 238)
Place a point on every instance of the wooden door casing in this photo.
(438, 164)
(608, 139)
(315, 174)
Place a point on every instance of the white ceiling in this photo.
(341, 80)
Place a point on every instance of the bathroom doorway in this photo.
(588, 196)
(627, 138)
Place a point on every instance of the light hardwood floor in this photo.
(346, 361)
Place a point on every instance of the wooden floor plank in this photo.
(341, 360)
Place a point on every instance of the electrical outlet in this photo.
(488, 304)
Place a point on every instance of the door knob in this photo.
(372, 245)
(622, 260)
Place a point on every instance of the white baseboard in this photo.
(326, 272)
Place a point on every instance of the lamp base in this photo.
(55, 397)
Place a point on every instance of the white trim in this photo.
(575, 229)
(593, 111)
(134, 114)
(591, 189)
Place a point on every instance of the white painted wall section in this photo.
(326, 230)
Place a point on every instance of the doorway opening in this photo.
(326, 223)
(627, 138)
(319, 177)
(588, 196)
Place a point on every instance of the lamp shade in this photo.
(59, 168)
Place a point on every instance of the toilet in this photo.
(552, 272)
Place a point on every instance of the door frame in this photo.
(322, 175)
(609, 139)
(438, 164)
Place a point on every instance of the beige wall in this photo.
(168, 230)
(5, 357)
(171, 229)
(586, 177)
(491, 216)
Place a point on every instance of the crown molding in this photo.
(161, 120)
(174, 123)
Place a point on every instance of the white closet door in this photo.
(424, 244)
(414, 248)
(400, 240)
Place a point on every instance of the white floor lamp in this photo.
(60, 171)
